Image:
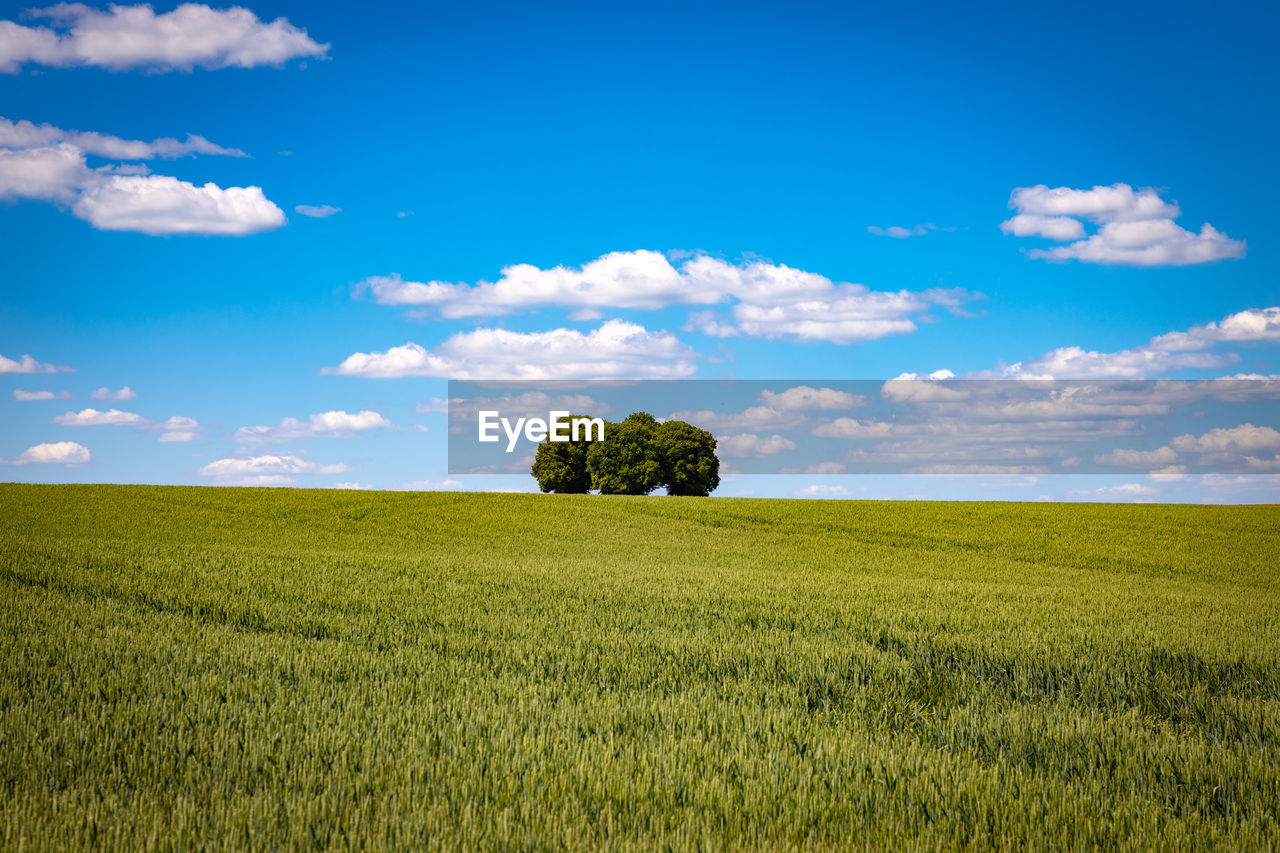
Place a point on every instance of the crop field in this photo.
(274, 669)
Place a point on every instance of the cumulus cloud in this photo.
(1252, 325)
(321, 211)
(615, 350)
(1164, 354)
(55, 453)
(1053, 227)
(266, 470)
(1245, 438)
(94, 417)
(854, 429)
(157, 204)
(766, 300)
(125, 37)
(804, 398)
(177, 428)
(922, 388)
(53, 173)
(327, 424)
(1116, 203)
(19, 394)
(1153, 243)
(750, 445)
(105, 393)
(1135, 227)
(751, 419)
(24, 134)
(150, 204)
(1149, 460)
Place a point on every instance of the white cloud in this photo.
(899, 232)
(1136, 227)
(105, 393)
(258, 480)
(269, 465)
(768, 300)
(338, 421)
(850, 313)
(817, 491)
(710, 323)
(1116, 203)
(922, 388)
(351, 486)
(322, 211)
(19, 394)
(1245, 438)
(54, 173)
(952, 469)
(1151, 243)
(1258, 465)
(616, 349)
(93, 417)
(754, 418)
(436, 405)
(124, 37)
(527, 404)
(58, 452)
(819, 468)
(1164, 354)
(151, 204)
(853, 428)
(157, 204)
(24, 134)
(1054, 227)
(804, 398)
(430, 486)
(1170, 474)
(1126, 490)
(752, 446)
(331, 424)
(1159, 458)
(177, 428)
(1253, 324)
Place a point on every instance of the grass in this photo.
(198, 667)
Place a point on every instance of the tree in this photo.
(688, 457)
(626, 462)
(635, 456)
(561, 466)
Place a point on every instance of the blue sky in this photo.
(753, 140)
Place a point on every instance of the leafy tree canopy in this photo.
(561, 466)
(688, 455)
(637, 455)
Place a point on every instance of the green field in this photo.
(200, 667)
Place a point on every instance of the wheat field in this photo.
(278, 669)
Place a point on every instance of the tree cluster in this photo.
(636, 456)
